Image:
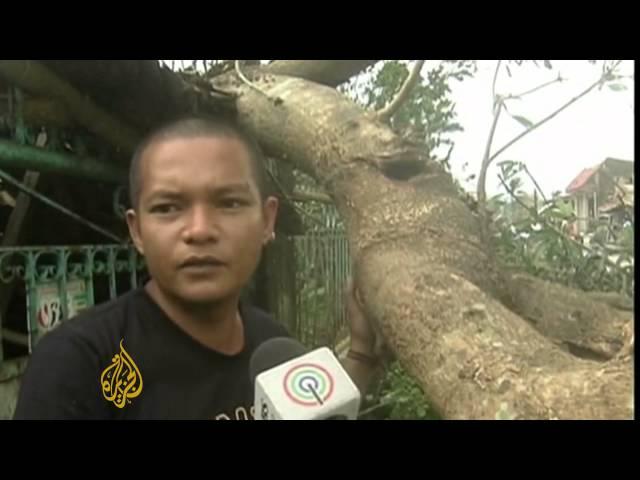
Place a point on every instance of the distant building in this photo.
(603, 190)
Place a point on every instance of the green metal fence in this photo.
(307, 276)
(61, 281)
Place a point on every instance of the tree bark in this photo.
(571, 318)
(424, 273)
(326, 72)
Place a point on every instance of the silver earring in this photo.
(271, 238)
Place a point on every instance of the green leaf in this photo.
(617, 87)
(524, 121)
(564, 210)
(514, 184)
(506, 167)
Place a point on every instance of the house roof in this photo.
(585, 175)
(582, 179)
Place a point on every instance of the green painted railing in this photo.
(306, 277)
(306, 280)
(59, 280)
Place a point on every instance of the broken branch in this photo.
(387, 112)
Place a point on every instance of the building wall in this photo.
(582, 211)
(588, 199)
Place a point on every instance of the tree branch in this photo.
(553, 114)
(35, 77)
(535, 89)
(326, 72)
(569, 317)
(249, 83)
(495, 79)
(481, 192)
(535, 183)
(385, 114)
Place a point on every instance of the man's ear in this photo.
(269, 213)
(134, 230)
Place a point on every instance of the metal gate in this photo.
(61, 281)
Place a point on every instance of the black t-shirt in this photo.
(126, 359)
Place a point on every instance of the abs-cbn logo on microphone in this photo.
(303, 386)
(308, 384)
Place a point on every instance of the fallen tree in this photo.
(427, 278)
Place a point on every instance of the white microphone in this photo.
(292, 383)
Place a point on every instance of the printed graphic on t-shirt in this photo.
(121, 381)
(239, 413)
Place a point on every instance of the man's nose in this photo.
(202, 226)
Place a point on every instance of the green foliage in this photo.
(626, 237)
(538, 241)
(523, 121)
(428, 115)
(617, 87)
(537, 236)
(399, 398)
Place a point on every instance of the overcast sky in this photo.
(597, 126)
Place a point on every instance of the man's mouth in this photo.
(201, 263)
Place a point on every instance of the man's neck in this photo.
(217, 326)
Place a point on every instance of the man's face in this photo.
(200, 223)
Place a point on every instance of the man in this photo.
(179, 347)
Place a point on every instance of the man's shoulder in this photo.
(96, 324)
(62, 378)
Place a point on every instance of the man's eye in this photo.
(164, 208)
(233, 203)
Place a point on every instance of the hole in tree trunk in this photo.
(585, 353)
(403, 170)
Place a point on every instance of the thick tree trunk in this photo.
(423, 272)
